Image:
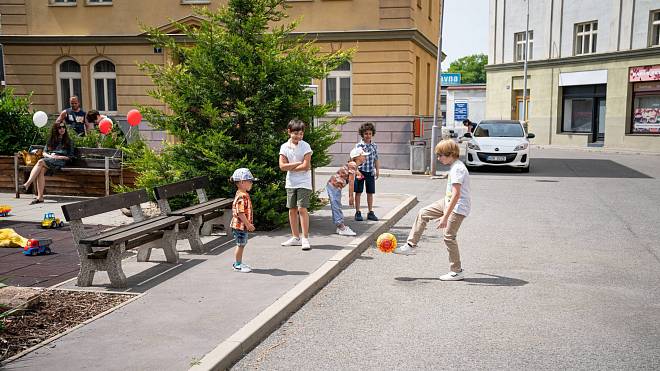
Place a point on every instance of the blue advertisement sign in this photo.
(450, 79)
(460, 111)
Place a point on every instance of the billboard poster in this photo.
(646, 120)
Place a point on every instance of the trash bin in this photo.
(418, 162)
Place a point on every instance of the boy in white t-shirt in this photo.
(451, 210)
(296, 160)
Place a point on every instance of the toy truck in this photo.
(4, 210)
(36, 247)
(50, 221)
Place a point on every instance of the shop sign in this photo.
(645, 73)
(460, 111)
(646, 120)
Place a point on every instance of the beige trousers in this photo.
(435, 211)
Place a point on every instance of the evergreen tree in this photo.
(230, 94)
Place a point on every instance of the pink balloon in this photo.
(134, 117)
(105, 126)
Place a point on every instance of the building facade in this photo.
(467, 101)
(91, 48)
(593, 70)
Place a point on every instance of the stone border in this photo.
(245, 339)
(55, 337)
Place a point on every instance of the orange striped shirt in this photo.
(242, 204)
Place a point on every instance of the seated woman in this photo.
(58, 151)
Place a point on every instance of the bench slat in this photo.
(83, 209)
(66, 169)
(90, 152)
(122, 228)
(178, 188)
(139, 231)
(218, 203)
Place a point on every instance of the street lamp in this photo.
(524, 105)
(438, 92)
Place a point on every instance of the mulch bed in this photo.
(56, 312)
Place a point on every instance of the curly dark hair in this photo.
(53, 140)
(366, 127)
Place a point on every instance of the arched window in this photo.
(69, 83)
(338, 88)
(104, 85)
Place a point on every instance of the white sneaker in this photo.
(405, 249)
(293, 241)
(453, 276)
(243, 268)
(347, 231)
(305, 244)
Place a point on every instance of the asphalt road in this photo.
(563, 272)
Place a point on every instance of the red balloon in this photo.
(134, 117)
(105, 126)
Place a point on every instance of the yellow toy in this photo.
(9, 238)
(50, 221)
(386, 242)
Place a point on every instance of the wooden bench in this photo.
(199, 217)
(86, 162)
(102, 251)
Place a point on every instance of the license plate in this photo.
(496, 158)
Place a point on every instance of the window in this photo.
(585, 38)
(654, 32)
(646, 108)
(519, 49)
(99, 2)
(104, 86)
(584, 109)
(195, 1)
(69, 83)
(63, 2)
(338, 85)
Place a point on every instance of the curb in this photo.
(382, 175)
(245, 339)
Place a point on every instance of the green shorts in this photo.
(297, 197)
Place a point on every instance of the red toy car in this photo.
(37, 247)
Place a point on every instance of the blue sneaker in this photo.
(372, 216)
(358, 216)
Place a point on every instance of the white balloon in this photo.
(40, 119)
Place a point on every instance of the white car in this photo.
(498, 143)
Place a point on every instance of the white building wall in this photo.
(516, 17)
(476, 100)
(640, 22)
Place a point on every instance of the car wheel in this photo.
(47, 251)
(33, 252)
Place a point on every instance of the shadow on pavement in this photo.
(279, 272)
(491, 280)
(494, 280)
(568, 168)
(153, 276)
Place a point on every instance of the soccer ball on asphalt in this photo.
(386, 242)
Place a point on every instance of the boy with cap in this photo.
(345, 175)
(242, 218)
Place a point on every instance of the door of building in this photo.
(517, 113)
(598, 134)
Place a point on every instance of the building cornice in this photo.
(358, 35)
(578, 60)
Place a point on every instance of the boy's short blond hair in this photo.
(448, 147)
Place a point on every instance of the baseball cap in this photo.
(242, 174)
(357, 151)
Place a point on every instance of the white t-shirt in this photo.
(296, 153)
(458, 173)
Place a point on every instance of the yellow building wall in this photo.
(33, 68)
(383, 75)
(13, 17)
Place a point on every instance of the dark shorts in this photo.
(241, 237)
(370, 180)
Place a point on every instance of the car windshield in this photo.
(499, 129)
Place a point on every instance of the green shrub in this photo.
(230, 96)
(17, 132)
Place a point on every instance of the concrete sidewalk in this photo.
(200, 313)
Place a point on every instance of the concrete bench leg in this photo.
(224, 219)
(86, 274)
(167, 243)
(193, 235)
(115, 271)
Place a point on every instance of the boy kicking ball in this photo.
(451, 210)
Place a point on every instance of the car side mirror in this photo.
(467, 135)
(530, 135)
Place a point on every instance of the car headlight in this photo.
(521, 146)
(473, 146)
